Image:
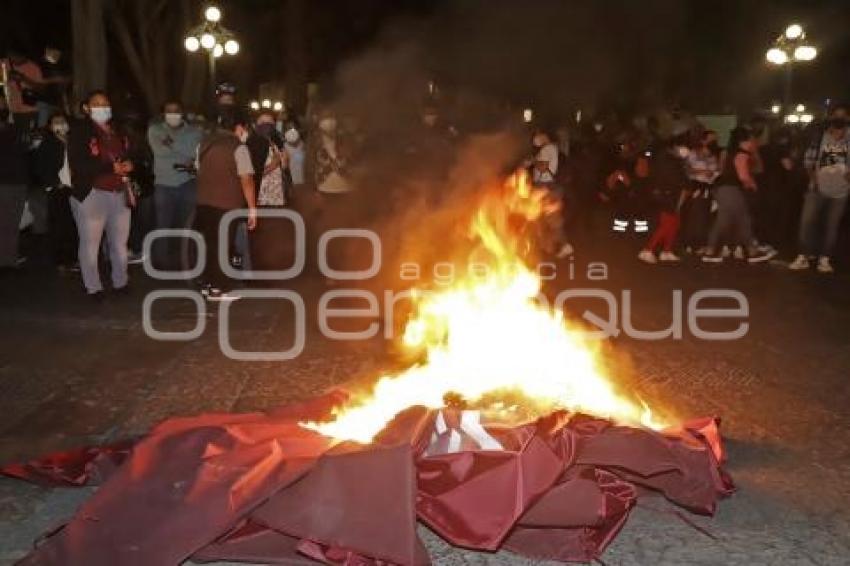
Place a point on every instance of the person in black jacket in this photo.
(53, 174)
(99, 158)
(667, 180)
(13, 188)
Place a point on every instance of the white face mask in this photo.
(60, 129)
(243, 136)
(101, 115)
(174, 119)
(292, 136)
(327, 125)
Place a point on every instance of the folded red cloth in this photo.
(260, 488)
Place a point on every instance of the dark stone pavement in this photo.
(73, 373)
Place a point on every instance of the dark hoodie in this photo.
(668, 178)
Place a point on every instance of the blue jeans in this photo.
(175, 208)
(733, 224)
(812, 232)
(102, 212)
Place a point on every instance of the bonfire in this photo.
(487, 337)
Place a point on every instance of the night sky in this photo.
(704, 55)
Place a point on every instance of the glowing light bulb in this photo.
(231, 47)
(212, 14)
(805, 53)
(777, 56)
(218, 50)
(794, 31)
(208, 41)
(192, 43)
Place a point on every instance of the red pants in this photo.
(665, 233)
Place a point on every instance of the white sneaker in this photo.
(739, 253)
(725, 252)
(218, 296)
(647, 256)
(760, 257)
(712, 258)
(565, 251)
(800, 263)
(669, 257)
(823, 265)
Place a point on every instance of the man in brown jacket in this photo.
(225, 183)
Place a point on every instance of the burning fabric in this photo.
(507, 434)
(260, 488)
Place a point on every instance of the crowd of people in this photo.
(99, 185)
(765, 192)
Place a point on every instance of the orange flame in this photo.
(486, 335)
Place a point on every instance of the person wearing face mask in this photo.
(546, 165)
(54, 175)
(328, 154)
(827, 163)
(702, 167)
(667, 181)
(294, 148)
(53, 92)
(269, 161)
(734, 223)
(272, 178)
(99, 157)
(327, 165)
(625, 181)
(225, 183)
(173, 143)
(13, 188)
(786, 178)
(225, 102)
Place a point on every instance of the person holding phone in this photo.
(173, 143)
(100, 164)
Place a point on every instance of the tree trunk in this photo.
(295, 38)
(89, 48)
(195, 65)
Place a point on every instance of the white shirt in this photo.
(296, 156)
(549, 154)
(65, 172)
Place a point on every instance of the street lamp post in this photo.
(789, 48)
(213, 37)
